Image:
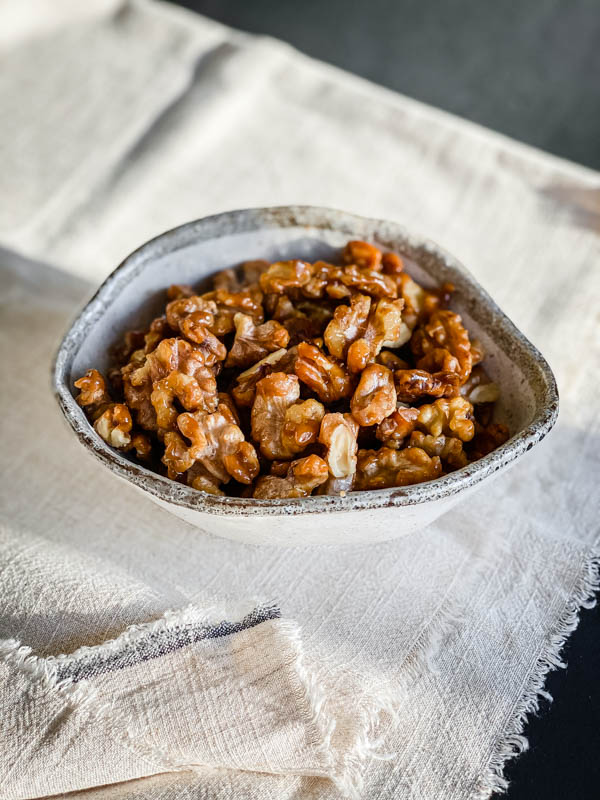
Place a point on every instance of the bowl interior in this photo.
(133, 303)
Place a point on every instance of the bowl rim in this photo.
(251, 219)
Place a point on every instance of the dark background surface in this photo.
(529, 69)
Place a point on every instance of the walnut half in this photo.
(303, 476)
(280, 424)
(385, 468)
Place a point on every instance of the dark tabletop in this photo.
(529, 69)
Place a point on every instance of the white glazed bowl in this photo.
(134, 293)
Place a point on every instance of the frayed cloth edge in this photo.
(512, 742)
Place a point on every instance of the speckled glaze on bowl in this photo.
(134, 292)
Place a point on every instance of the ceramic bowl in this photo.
(134, 294)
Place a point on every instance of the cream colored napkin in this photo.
(195, 689)
(118, 126)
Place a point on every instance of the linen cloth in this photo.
(133, 117)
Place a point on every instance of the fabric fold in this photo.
(223, 687)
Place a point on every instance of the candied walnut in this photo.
(445, 330)
(487, 439)
(137, 395)
(478, 388)
(227, 280)
(284, 275)
(337, 486)
(325, 281)
(122, 352)
(438, 360)
(279, 468)
(253, 342)
(198, 477)
(175, 368)
(386, 468)
(283, 308)
(193, 392)
(179, 290)
(303, 476)
(412, 384)
(363, 254)
(375, 396)
(191, 316)
(391, 264)
(142, 446)
(242, 464)
(217, 444)
(369, 281)
(414, 297)
(244, 390)
(281, 425)
(252, 270)
(448, 448)
(349, 323)
(384, 328)
(303, 321)
(301, 425)
(159, 329)
(92, 390)
(437, 298)
(393, 430)
(326, 376)
(178, 355)
(318, 313)
(246, 301)
(391, 360)
(226, 400)
(452, 417)
(114, 425)
(477, 351)
(338, 433)
(178, 456)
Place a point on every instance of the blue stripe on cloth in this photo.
(156, 644)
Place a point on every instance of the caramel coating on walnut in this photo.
(386, 468)
(303, 476)
(363, 254)
(392, 264)
(375, 396)
(369, 281)
(487, 439)
(244, 390)
(445, 331)
(217, 444)
(412, 384)
(253, 342)
(282, 426)
(246, 301)
(192, 316)
(451, 417)
(114, 425)
(178, 290)
(385, 327)
(326, 376)
(391, 360)
(175, 369)
(393, 430)
(92, 389)
(349, 323)
(284, 275)
(448, 448)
